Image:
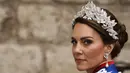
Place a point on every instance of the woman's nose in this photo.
(78, 48)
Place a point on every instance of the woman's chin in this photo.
(79, 69)
(82, 68)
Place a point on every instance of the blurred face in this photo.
(88, 47)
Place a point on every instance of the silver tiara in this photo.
(91, 12)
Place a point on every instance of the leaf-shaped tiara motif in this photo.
(91, 12)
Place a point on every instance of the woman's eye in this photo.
(87, 42)
(73, 42)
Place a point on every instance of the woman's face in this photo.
(88, 47)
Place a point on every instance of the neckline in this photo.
(103, 65)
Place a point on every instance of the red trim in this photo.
(103, 65)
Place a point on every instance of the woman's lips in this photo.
(79, 60)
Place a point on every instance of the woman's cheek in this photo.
(93, 50)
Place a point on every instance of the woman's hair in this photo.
(107, 39)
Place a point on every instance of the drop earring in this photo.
(106, 57)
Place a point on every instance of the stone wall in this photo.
(35, 34)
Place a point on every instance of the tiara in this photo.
(91, 12)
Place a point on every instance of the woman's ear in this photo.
(109, 48)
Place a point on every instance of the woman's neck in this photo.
(90, 71)
(104, 61)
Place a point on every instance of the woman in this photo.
(97, 39)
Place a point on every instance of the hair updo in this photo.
(107, 39)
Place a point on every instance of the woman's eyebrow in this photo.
(82, 38)
(72, 38)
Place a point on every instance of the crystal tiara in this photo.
(91, 12)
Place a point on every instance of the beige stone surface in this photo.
(15, 58)
(3, 14)
(125, 2)
(77, 1)
(1, 0)
(44, 22)
(38, 21)
(36, 1)
(106, 1)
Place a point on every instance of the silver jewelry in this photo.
(106, 57)
(91, 12)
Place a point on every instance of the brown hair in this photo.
(119, 28)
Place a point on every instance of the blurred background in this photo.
(35, 34)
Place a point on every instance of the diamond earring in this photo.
(106, 57)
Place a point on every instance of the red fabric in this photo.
(103, 65)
